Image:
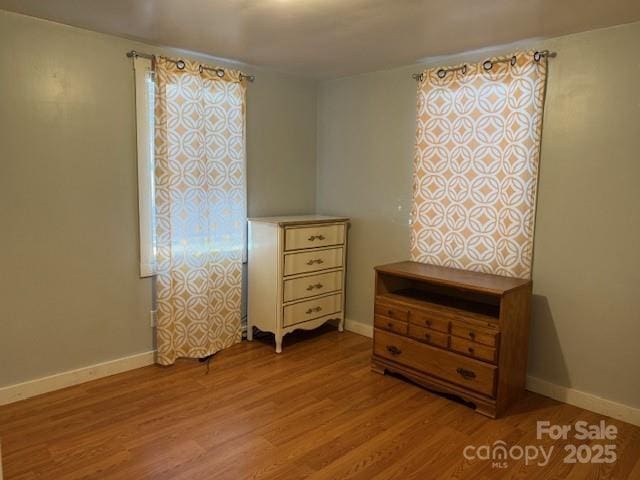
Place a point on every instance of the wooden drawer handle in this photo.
(317, 285)
(393, 350)
(316, 237)
(316, 260)
(314, 309)
(466, 374)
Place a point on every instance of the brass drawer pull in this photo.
(317, 285)
(393, 350)
(314, 309)
(316, 237)
(316, 260)
(466, 374)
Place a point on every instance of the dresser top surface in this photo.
(453, 277)
(299, 219)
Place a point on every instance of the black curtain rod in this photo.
(487, 64)
(180, 64)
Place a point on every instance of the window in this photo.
(145, 88)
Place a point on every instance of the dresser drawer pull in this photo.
(466, 374)
(471, 350)
(316, 260)
(427, 337)
(316, 237)
(427, 323)
(393, 350)
(317, 285)
(390, 325)
(472, 335)
(314, 309)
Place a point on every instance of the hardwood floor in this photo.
(315, 411)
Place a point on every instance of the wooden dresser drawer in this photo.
(429, 336)
(429, 320)
(310, 309)
(469, 373)
(303, 262)
(312, 285)
(313, 236)
(470, 332)
(395, 326)
(473, 349)
(396, 312)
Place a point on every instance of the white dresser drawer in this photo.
(312, 261)
(297, 238)
(303, 287)
(310, 309)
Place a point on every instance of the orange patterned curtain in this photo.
(200, 208)
(476, 164)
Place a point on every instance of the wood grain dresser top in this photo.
(299, 219)
(453, 277)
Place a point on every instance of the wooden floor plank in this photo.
(316, 412)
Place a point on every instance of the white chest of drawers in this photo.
(296, 273)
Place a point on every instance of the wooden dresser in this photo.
(453, 331)
(296, 273)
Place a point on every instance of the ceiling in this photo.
(330, 38)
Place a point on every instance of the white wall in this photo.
(69, 285)
(586, 276)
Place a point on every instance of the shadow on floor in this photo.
(294, 337)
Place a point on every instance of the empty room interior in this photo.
(319, 239)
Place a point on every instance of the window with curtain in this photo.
(200, 208)
(192, 202)
(476, 164)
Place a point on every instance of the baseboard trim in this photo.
(21, 391)
(578, 398)
(585, 400)
(360, 328)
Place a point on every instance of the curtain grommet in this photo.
(220, 72)
(464, 69)
(180, 64)
(537, 56)
(441, 73)
(487, 65)
(513, 60)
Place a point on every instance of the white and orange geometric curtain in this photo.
(476, 164)
(200, 208)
